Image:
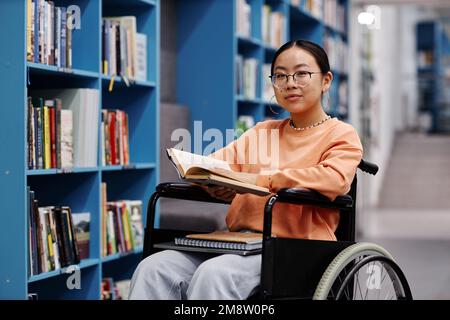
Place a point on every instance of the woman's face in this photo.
(306, 94)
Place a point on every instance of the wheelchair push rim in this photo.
(374, 278)
(363, 265)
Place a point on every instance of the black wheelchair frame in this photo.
(285, 273)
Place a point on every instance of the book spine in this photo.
(49, 238)
(29, 133)
(47, 143)
(112, 137)
(44, 242)
(36, 31)
(55, 239)
(52, 118)
(63, 36)
(104, 221)
(58, 108)
(112, 244)
(66, 259)
(41, 238)
(75, 248)
(68, 43)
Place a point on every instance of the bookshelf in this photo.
(78, 187)
(433, 69)
(212, 43)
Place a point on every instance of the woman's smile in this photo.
(293, 97)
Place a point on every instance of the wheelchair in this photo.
(301, 268)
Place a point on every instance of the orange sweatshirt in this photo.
(323, 158)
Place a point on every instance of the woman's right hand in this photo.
(221, 193)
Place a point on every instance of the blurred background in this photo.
(391, 60)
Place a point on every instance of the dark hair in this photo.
(317, 52)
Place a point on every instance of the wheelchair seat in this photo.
(301, 268)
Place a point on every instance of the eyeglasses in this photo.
(300, 78)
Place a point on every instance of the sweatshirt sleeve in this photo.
(332, 176)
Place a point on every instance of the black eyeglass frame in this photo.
(293, 76)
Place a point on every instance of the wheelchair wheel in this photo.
(363, 271)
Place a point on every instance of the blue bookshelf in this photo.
(208, 44)
(433, 69)
(79, 188)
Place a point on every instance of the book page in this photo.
(189, 160)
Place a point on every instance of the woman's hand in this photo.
(221, 193)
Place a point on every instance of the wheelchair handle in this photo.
(368, 167)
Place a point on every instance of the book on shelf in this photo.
(53, 241)
(211, 171)
(246, 72)
(141, 57)
(243, 18)
(49, 38)
(115, 290)
(124, 50)
(122, 228)
(223, 240)
(84, 105)
(273, 29)
(81, 222)
(115, 146)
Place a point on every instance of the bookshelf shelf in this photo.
(252, 42)
(117, 256)
(61, 171)
(242, 99)
(79, 188)
(133, 166)
(119, 82)
(129, 3)
(48, 70)
(83, 264)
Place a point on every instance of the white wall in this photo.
(394, 96)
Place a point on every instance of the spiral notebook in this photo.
(243, 243)
(223, 240)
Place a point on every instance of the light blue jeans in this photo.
(175, 275)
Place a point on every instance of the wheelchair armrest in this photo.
(185, 191)
(305, 197)
(314, 198)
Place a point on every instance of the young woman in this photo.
(312, 150)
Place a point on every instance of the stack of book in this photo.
(49, 34)
(52, 237)
(49, 134)
(124, 50)
(115, 290)
(334, 15)
(315, 7)
(247, 73)
(84, 107)
(267, 88)
(243, 18)
(115, 138)
(337, 51)
(273, 29)
(122, 229)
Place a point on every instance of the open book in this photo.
(210, 171)
(223, 240)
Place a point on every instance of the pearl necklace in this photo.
(291, 123)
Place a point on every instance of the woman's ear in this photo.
(326, 81)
